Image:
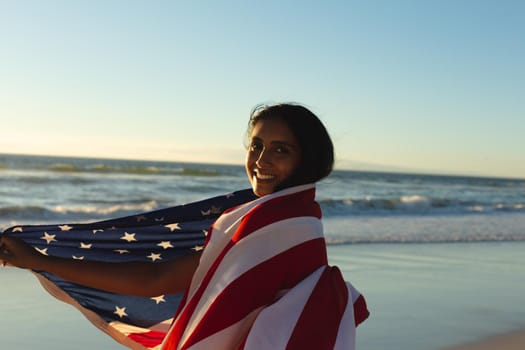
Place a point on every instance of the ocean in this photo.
(395, 236)
(52, 189)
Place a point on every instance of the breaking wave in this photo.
(413, 205)
(131, 169)
(63, 213)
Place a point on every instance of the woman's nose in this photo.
(263, 159)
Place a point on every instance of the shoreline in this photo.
(514, 340)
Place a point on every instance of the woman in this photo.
(262, 281)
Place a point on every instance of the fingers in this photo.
(3, 251)
(8, 249)
(16, 252)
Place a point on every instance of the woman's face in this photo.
(273, 155)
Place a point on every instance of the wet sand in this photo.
(509, 341)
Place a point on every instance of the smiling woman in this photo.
(273, 156)
(288, 146)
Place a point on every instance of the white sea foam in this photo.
(122, 208)
(477, 227)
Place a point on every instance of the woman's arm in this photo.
(134, 278)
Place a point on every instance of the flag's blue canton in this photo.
(154, 236)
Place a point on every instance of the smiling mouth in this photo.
(259, 176)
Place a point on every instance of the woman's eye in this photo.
(255, 147)
(281, 150)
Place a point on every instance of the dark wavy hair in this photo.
(317, 150)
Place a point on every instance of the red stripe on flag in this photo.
(149, 339)
(318, 325)
(361, 312)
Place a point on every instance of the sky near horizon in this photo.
(416, 86)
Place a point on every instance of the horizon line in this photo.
(360, 168)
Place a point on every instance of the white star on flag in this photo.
(78, 257)
(165, 244)
(159, 299)
(198, 248)
(48, 238)
(121, 251)
(98, 230)
(41, 251)
(154, 257)
(130, 237)
(173, 227)
(85, 245)
(120, 311)
(17, 229)
(65, 227)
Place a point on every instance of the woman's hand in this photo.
(16, 252)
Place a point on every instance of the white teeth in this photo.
(263, 176)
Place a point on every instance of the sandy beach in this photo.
(509, 341)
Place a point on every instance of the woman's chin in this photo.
(262, 189)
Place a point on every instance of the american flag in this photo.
(136, 322)
(263, 282)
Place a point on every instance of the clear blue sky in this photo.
(429, 86)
